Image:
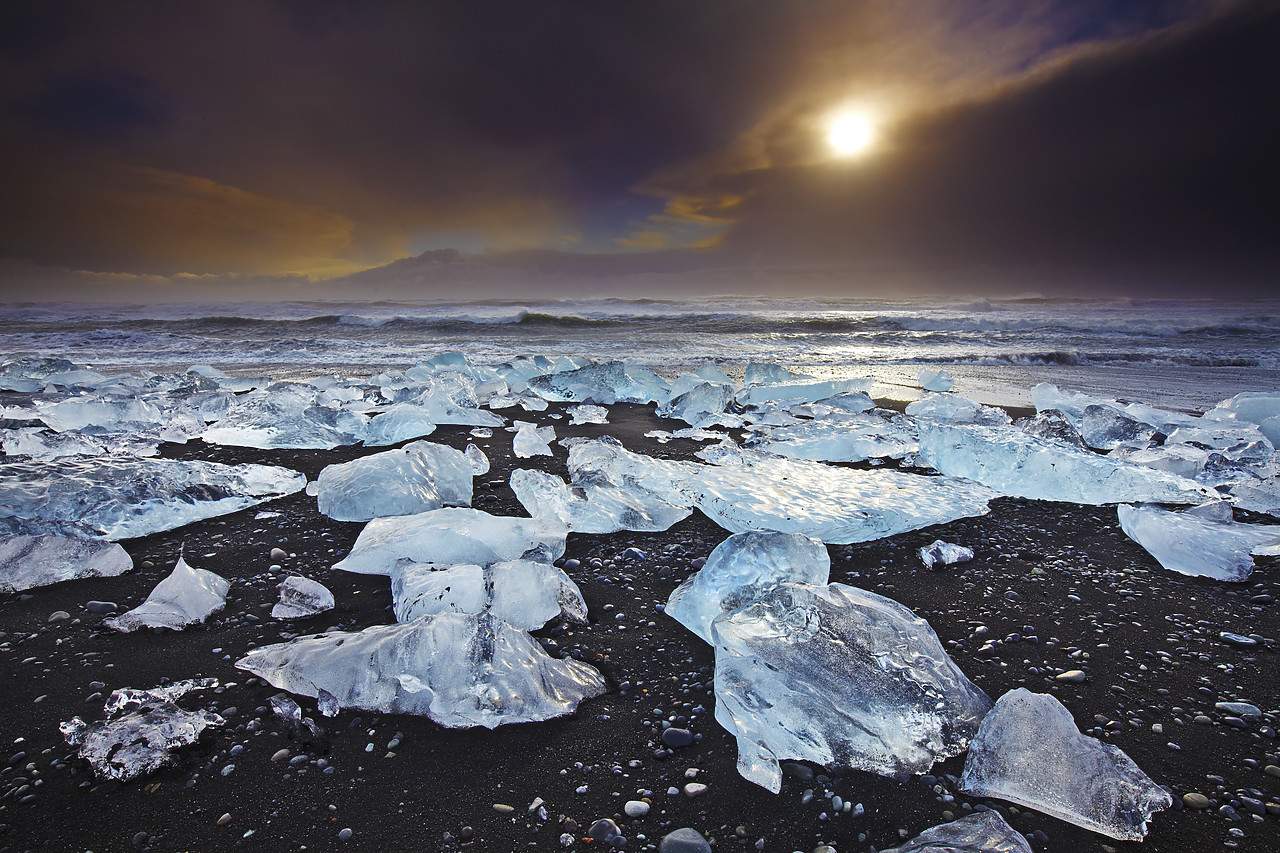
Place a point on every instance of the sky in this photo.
(210, 150)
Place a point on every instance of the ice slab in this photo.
(98, 414)
(588, 414)
(120, 498)
(1195, 545)
(984, 832)
(187, 596)
(841, 438)
(939, 554)
(840, 677)
(523, 593)
(415, 478)
(460, 670)
(740, 569)
(931, 379)
(952, 408)
(532, 441)
(286, 415)
(1225, 437)
(452, 536)
(1023, 465)
(27, 562)
(1105, 428)
(397, 423)
(1255, 407)
(1073, 405)
(602, 383)
(138, 743)
(801, 390)
(1029, 751)
(301, 597)
(28, 372)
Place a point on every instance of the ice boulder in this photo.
(452, 536)
(418, 477)
(1254, 407)
(301, 597)
(939, 554)
(740, 569)
(1027, 466)
(1197, 543)
(952, 408)
(840, 677)
(1073, 405)
(523, 593)
(935, 379)
(99, 414)
(984, 832)
(187, 596)
(27, 562)
(397, 423)
(1051, 423)
(532, 441)
(1029, 751)
(461, 670)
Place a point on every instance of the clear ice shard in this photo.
(603, 383)
(301, 597)
(1105, 428)
(1027, 466)
(397, 423)
(479, 462)
(523, 593)
(415, 478)
(984, 832)
(952, 408)
(188, 595)
(939, 554)
(740, 569)
(1051, 423)
(1072, 405)
(800, 390)
(1192, 544)
(841, 438)
(595, 501)
(130, 699)
(461, 670)
(588, 414)
(126, 497)
(27, 562)
(935, 379)
(452, 536)
(1028, 751)
(286, 415)
(840, 677)
(703, 405)
(532, 441)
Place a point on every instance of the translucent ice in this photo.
(532, 441)
(479, 462)
(1029, 751)
(939, 554)
(1192, 544)
(953, 408)
(1255, 407)
(139, 743)
(931, 379)
(188, 595)
(415, 478)
(740, 569)
(286, 415)
(129, 699)
(29, 373)
(603, 383)
(700, 406)
(800, 390)
(1105, 428)
(1051, 423)
(120, 498)
(301, 597)
(27, 562)
(588, 414)
(398, 423)
(97, 414)
(840, 677)
(594, 501)
(1072, 404)
(1023, 465)
(452, 536)
(984, 832)
(841, 438)
(524, 593)
(458, 669)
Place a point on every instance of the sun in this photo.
(850, 134)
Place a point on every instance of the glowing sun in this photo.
(850, 134)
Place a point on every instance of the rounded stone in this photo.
(675, 738)
(1071, 676)
(684, 840)
(694, 789)
(636, 808)
(59, 616)
(101, 607)
(1195, 800)
(345, 834)
(225, 819)
(603, 830)
(279, 554)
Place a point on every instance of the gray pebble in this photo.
(101, 607)
(684, 841)
(345, 834)
(59, 615)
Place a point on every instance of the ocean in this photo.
(1184, 354)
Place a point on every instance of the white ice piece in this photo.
(984, 832)
(398, 423)
(286, 415)
(801, 390)
(1255, 407)
(98, 414)
(452, 536)
(479, 462)
(460, 670)
(187, 596)
(935, 379)
(301, 597)
(740, 569)
(1029, 751)
(1105, 428)
(1192, 544)
(842, 438)
(588, 414)
(1072, 404)
(523, 593)
(952, 408)
(594, 501)
(415, 478)
(939, 554)
(603, 383)
(138, 743)
(702, 405)
(532, 441)
(840, 677)
(27, 562)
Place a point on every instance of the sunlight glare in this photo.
(850, 134)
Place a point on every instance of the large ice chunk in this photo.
(286, 415)
(461, 670)
(1028, 751)
(1028, 466)
(418, 477)
(524, 593)
(842, 438)
(984, 832)
(740, 569)
(1105, 428)
(588, 414)
(603, 383)
(801, 390)
(98, 414)
(452, 536)
(594, 503)
(953, 408)
(840, 677)
(1193, 544)
(137, 743)
(188, 595)
(398, 423)
(1051, 423)
(1254, 407)
(703, 405)
(27, 562)
(1072, 404)
(301, 597)
(126, 497)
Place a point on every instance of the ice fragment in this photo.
(524, 593)
(418, 477)
(984, 832)
(27, 562)
(301, 597)
(188, 595)
(1192, 544)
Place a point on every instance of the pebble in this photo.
(101, 607)
(345, 834)
(503, 808)
(603, 830)
(1272, 770)
(694, 789)
(1237, 639)
(636, 808)
(280, 554)
(280, 755)
(677, 737)
(1195, 800)
(1071, 676)
(1239, 709)
(59, 615)
(684, 841)
(225, 819)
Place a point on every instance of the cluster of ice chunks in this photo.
(523, 593)
(141, 731)
(461, 670)
(127, 497)
(1028, 751)
(1260, 408)
(187, 596)
(1204, 541)
(939, 554)
(301, 597)
(1105, 428)
(840, 677)
(27, 562)
(286, 415)
(841, 437)
(602, 383)
(952, 408)
(799, 390)
(984, 832)
(415, 478)
(740, 569)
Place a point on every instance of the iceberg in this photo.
(286, 415)
(121, 498)
(841, 438)
(1028, 751)
(984, 832)
(461, 670)
(452, 536)
(27, 562)
(840, 677)
(301, 597)
(740, 569)
(1192, 544)
(523, 593)
(532, 441)
(939, 554)
(931, 379)
(418, 477)
(188, 595)
(1022, 465)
